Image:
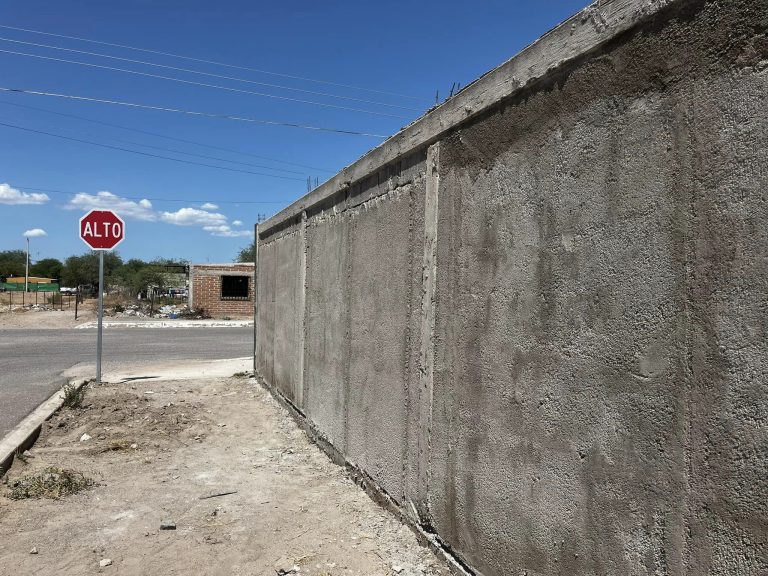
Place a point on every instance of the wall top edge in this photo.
(591, 27)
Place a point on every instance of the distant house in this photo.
(222, 289)
(34, 283)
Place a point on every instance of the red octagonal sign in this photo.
(102, 229)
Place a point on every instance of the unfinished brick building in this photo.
(222, 289)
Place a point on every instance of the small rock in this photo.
(33, 551)
(106, 562)
(397, 569)
(167, 525)
(28, 454)
(84, 438)
(134, 446)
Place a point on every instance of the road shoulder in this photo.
(160, 451)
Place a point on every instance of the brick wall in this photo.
(205, 281)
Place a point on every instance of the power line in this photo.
(146, 153)
(191, 112)
(145, 63)
(172, 150)
(83, 118)
(139, 198)
(204, 84)
(190, 58)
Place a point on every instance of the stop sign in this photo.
(102, 229)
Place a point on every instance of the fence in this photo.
(56, 300)
(33, 287)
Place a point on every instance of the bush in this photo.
(73, 396)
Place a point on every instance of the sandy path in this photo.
(293, 507)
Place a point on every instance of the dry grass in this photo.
(51, 482)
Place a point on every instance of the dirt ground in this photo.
(157, 450)
(51, 319)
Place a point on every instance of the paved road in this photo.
(32, 361)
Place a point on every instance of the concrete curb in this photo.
(373, 490)
(27, 431)
(168, 324)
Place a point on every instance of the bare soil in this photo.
(157, 450)
(18, 317)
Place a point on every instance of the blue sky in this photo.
(180, 210)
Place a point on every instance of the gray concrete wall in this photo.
(541, 329)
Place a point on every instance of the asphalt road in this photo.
(32, 361)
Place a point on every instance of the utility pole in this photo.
(26, 276)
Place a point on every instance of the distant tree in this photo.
(84, 269)
(247, 254)
(146, 278)
(13, 263)
(47, 268)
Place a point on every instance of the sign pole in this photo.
(101, 316)
(101, 230)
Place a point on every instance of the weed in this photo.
(21, 457)
(73, 396)
(241, 375)
(52, 482)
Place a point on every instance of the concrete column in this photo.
(427, 328)
(255, 295)
(190, 287)
(301, 302)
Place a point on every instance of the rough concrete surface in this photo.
(546, 338)
(218, 459)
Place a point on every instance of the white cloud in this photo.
(35, 233)
(226, 231)
(193, 217)
(141, 210)
(213, 222)
(13, 196)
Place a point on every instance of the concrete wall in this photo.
(540, 326)
(205, 289)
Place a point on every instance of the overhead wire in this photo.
(172, 150)
(32, 130)
(139, 198)
(204, 84)
(166, 137)
(191, 112)
(190, 71)
(212, 62)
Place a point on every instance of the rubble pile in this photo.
(171, 311)
(29, 308)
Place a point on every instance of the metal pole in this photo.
(26, 274)
(77, 299)
(101, 316)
